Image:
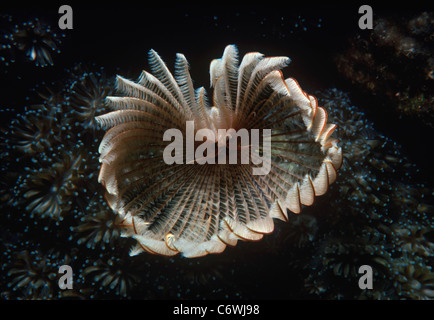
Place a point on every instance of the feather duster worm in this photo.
(196, 209)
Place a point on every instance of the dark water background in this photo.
(118, 37)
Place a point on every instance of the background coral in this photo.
(394, 62)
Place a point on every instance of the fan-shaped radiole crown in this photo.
(195, 205)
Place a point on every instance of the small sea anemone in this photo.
(344, 259)
(99, 226)
(114, 275)
(195, 208)
(49, 191)
(37, 40)
(412, 239)
(415, 280)
(33, 132)
(35, 275)
(335, 269)
(86, 98)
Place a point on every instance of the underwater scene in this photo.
(97, 203)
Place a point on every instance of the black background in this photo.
(117, 36)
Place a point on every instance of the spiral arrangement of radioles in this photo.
(199, 209)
